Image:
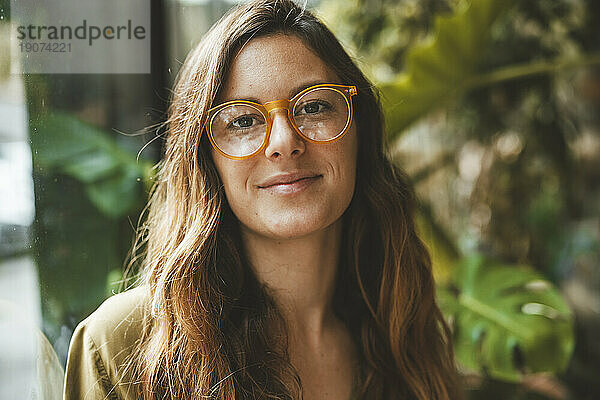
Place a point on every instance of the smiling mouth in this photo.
(291, 187)
(290, 183)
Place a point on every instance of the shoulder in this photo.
(119, 318)
(100, 360)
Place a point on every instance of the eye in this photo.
(313, 107)
(244, 122)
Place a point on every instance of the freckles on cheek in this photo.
(236, 182)
(340, 162)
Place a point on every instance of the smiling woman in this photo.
(293, 186)
(280, 258)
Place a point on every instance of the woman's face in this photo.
(273, 68)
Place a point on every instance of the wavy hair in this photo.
(213, 331)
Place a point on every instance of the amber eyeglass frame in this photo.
(265, 109)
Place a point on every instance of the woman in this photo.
(280, 259)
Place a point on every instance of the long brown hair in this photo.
(210, 330)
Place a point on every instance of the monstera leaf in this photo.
(113, 178)
(508, 321)
(442, 67)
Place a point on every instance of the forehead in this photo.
(272, 67)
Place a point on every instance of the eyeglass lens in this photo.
(320, 114)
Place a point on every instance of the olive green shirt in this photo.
(101, 347)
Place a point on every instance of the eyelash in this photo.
(323, 104)
(251, 116)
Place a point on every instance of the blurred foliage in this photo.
(505, 319)
(112, 177)
(443, 66)
(492, 108)
(90, 182)
(89, 190)
(86, 184)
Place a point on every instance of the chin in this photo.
(293, 225)
(287, 232)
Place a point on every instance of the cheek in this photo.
(342, 162)
(234, 176)
(349, 154)
(350, 179)
(351, 162)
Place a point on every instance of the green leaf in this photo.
(441, 67)
(506, 319)
(112, 177)
(117, 195)
(91, 166)
(58, 138)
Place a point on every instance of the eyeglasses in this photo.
(240, 129)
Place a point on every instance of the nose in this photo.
(283, 141)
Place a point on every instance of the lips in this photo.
(288, 178)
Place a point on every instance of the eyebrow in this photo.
(292, 93)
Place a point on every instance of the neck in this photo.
(300, 274)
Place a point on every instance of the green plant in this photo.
(113, 179)
(506, 317)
